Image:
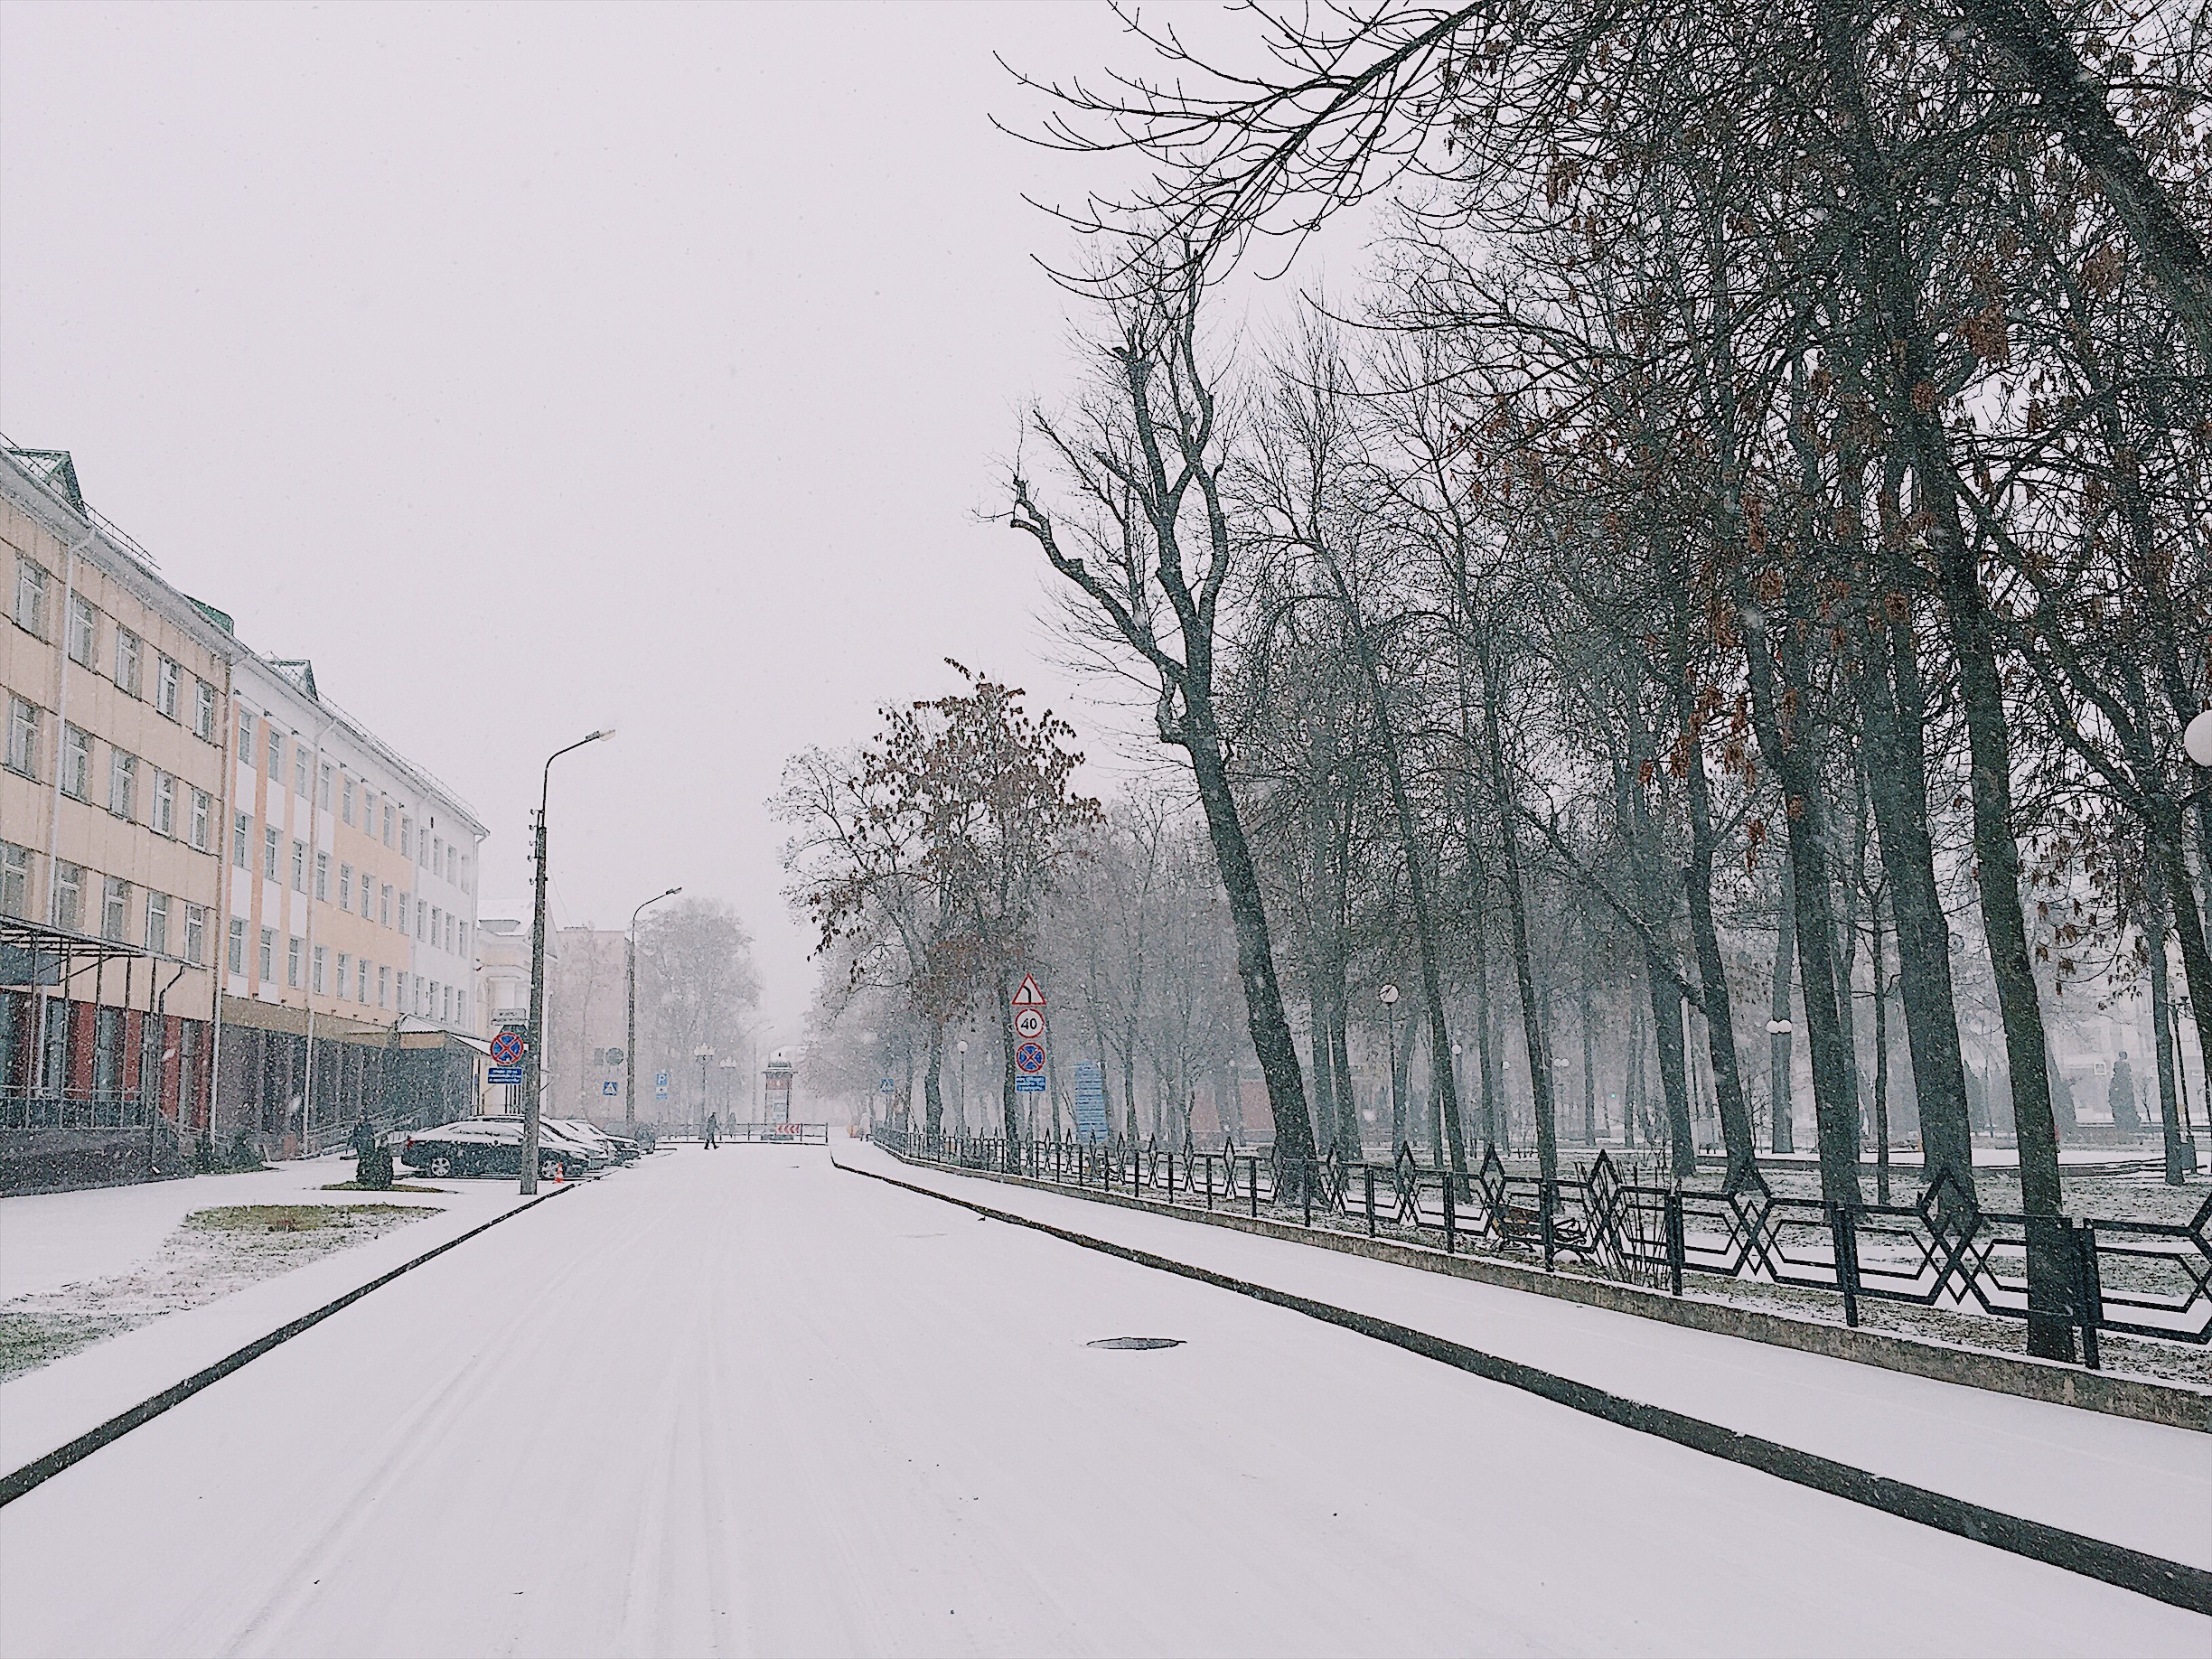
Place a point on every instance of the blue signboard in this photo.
(1091, 1125)
(505, 1075)
(1028, 1084)
(610, 1087)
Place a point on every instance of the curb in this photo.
(2173, 1405)
(40, 1470)
(2173, 1582)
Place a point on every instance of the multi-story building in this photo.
(349, 929)
(177, 810)
(502, 983)
(112, 801)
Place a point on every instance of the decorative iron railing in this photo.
(1942, 1251)
(71, 1109)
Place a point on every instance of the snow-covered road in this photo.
(738, 1401)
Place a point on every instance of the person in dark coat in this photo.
(714, 1127)
(372, 1160)
(2121, 1097)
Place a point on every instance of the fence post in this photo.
(1171, 1177)
(1370, 1169)
(1209, 1180)
(1676, 1249)
(1252, 1182)
(1451, 1218)
(1546, 1196)
(2091, 1282)
(1841, 1225)
(1306, 1176)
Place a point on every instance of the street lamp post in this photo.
(1389, 1025)
(729, 1091)
(533, 1059)
(630, 1053)
(702, 1053)
(960, 1124)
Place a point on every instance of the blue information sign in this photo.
(505, 1075)
(1091, 1124)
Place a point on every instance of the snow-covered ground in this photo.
(741, 1402)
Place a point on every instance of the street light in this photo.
(2197, 739)
(1389, 1025)
(960, 1123)
(729, 1091)
(532, 1058)
(702, 1053)
(630, 1054)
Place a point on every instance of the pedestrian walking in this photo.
(714, 1126)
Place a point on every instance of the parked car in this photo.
(591, 1135)
(493, 1146)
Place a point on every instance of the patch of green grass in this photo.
(289, 1217)
(30, 1340)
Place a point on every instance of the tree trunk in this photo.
(1524, 974)
(932, 1097)
(1589, 1037)
(1881, 1066)
(2154, 942)
(1780, 1086)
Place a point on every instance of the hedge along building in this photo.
(348, 928)
(112, 802)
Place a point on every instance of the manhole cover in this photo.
(1136, 1342)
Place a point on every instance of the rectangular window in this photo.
(293, 947)
(322, 955)
(403, 913)
(345, 888)
(195, 932)
(158, 922)
(163, 817)
(438, 921)
(69, 897)
(122, 784)
(422, 920)
(269, 955)
(115, 909)
(15, 882)
(388, 815)
(245, 738)
(384, 988)
(108, 1052)
(384, 909)
(167, 676)
(237, 963)
(268, 852)
(22, 736)
(29, 595)
(360, 990)
(84, 631)
(128, 652)
(203, 710)
(462, 1007)
(202, 827)
(299, 769)
(299, 867)
(276, 759)
(345, 800)
(345, 964)
(77, 763)
(242, 830)
(449, 1004)
(323, 781)
(322, 876)
(465, 945)
(407, 838)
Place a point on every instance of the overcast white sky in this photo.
(537, 369)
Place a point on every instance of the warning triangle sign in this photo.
(1029, 996)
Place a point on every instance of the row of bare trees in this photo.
(1765, 459)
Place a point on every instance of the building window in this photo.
(22, 736)
(324, 785)
(242, 830)
(299, 769)
(158, 922)
(322, 876)
(345, 964)
(245, 737)
(268, 852)
(437, 918)
(69, 897)
(403, 913)
(361, 991)
(203, 710)
(465, 945)
(14, 882)
(29, 595)
(276, 760)
(293, 947)
(389, 815)
(464, 874)
(203, 820)
(269, 955)
(422, 920)
(163, 817)
(345, 889)
(237, 963)
(322, 955)
(127, 654)
(345, 800)
(108, 1052)
(195, 933)
(77, 763)
(299, 867)
(461, 1002)
(115, 909)
(449, 1004)
(384, 908)
(384, 988)
(122, 784)
(167, 677)
(84, 631)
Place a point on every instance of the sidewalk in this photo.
(2142, 1484)
(53, 1240)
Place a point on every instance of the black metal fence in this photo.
(1943, 1251)
(71, 1109)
